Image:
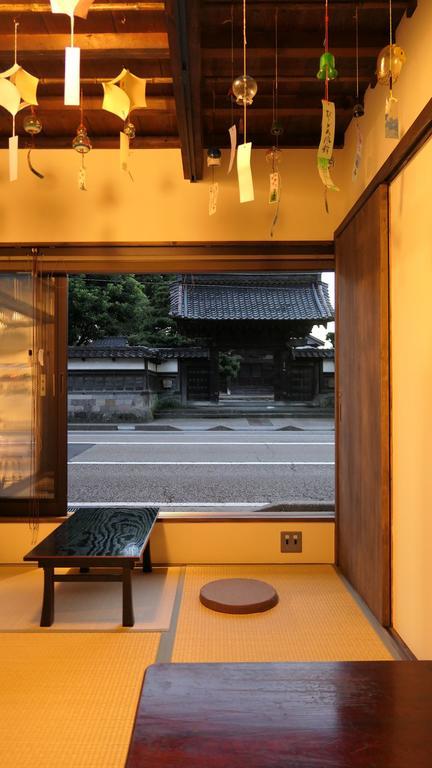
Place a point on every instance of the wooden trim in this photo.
(417, 135)
(403, 648)
(58, 258)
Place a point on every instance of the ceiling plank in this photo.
(311, 5)
(19, 8)
(138, 43)
(103, 142)
(93, 103)
(183, 25)
(289, 53)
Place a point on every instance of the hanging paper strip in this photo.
(392, 118)
(358, 153)
(244, 173)
(325, 150)
(274, 191)
(124, 151)
(213, 196)
(72, 54)
(233, 140)
(13, 158)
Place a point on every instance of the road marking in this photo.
(207, 463)
(91, 442)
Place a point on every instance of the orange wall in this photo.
(411, 368)
(159, 205)
(413, 90)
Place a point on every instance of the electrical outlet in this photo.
(291, 541)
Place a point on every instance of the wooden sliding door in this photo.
(362, 428)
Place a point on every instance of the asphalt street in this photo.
(238, 469)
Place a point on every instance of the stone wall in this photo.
(107, 407)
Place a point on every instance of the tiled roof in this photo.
(250, 298)
(325, 354)
(93, 351)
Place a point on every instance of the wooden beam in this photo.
(129, 43)
(101, 142)
(94, 103)
(288, 53)
(101, 80)
(183, 24)
(313, 5)
(20, 8)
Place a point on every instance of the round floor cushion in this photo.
(238, 596)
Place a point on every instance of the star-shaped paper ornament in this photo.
(72, 7)
(124, 94)
(17, 91)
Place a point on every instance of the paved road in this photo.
(200, 468)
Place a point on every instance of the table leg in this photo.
(47, 615)
(147, 563)
(128, 614)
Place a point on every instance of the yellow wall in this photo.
(411, 340)
(413, 90)
(183, 542)
(159, 205)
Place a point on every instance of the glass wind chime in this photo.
(389, 66)
(83, 146)
(18, 90)
(327, 71)
(244, 89)
(273, 155)
(358, 110)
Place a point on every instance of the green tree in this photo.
(331, 337)
(106, 305)
(229, 367)
(160, 329)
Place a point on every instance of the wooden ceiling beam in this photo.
(94, 103)
(288, 53)
(101, 80)
(183, 25)
(102, 142)
(21, 8)
(225, 80)
(138, 44)
(314, 5)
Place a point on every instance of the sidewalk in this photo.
(251, 424)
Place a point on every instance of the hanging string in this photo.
(391, 43)
(72, 30)
(16, 23)
(357, 53)
(276, 85)
(232, 62)
(326, 43)
(244, 75)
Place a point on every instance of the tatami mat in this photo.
(317, 619)
(68, 700)
(86, 606)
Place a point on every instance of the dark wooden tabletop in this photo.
(99, 532)
(339, 715)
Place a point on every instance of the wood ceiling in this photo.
(184, 48)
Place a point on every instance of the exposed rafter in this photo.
(183, 24)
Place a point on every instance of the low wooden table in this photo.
(96, 538)
(338, 715)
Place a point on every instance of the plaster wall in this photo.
(159, 205)
(185, 542)
(411, 329)
(413, 90)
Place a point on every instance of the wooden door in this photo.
(362, 380)
(33, 395)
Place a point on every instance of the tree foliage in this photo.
(135, 306)
(229, 366)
